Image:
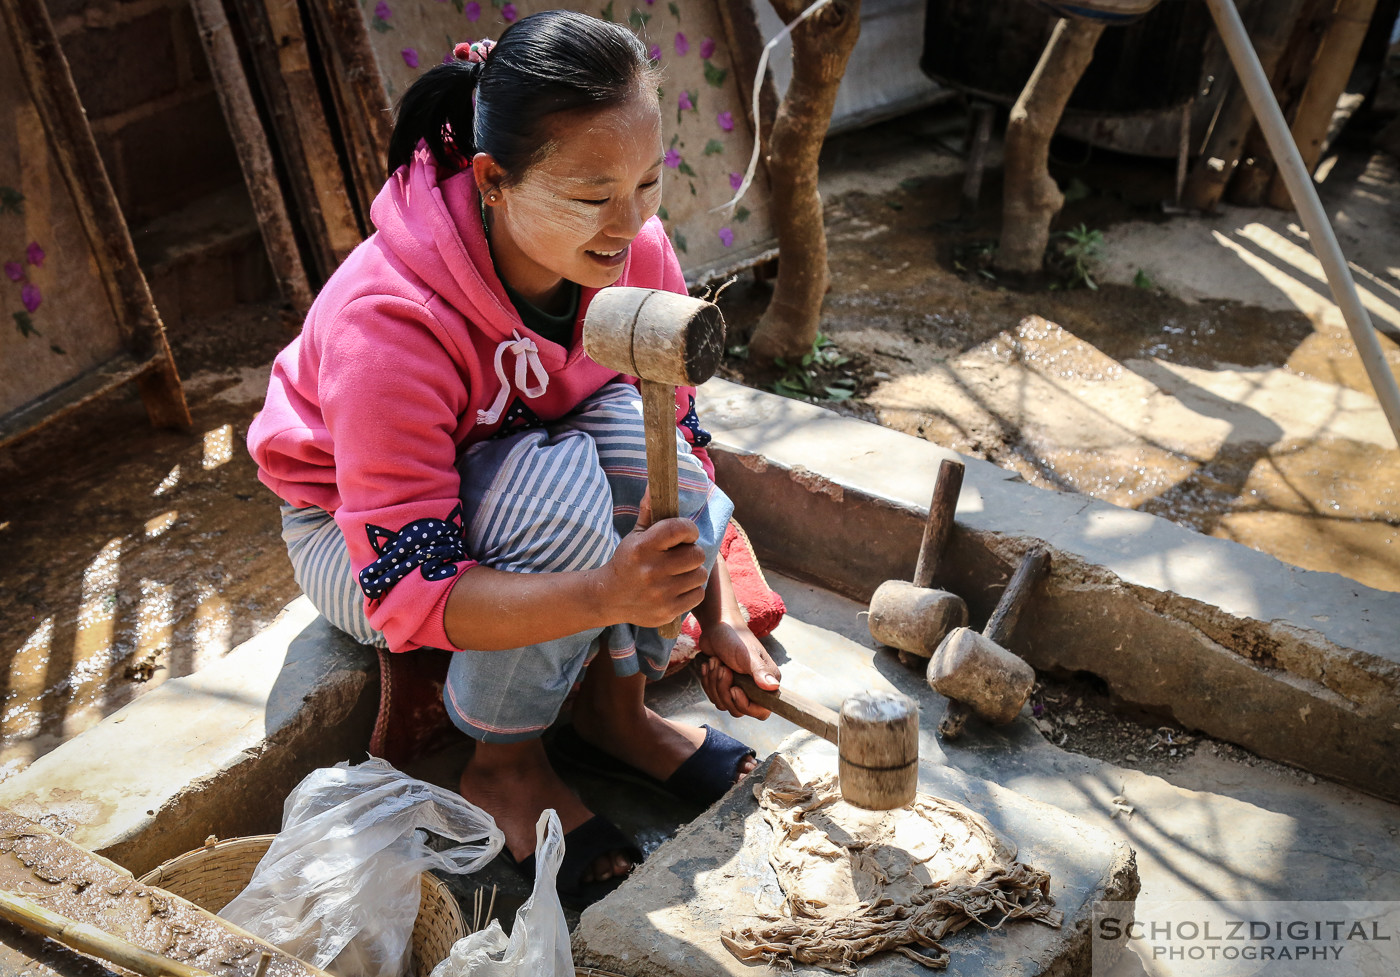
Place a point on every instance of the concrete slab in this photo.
(1295, 665)
(665, 921)
(212, 753)
(1215, 831)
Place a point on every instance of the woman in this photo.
(458, 473)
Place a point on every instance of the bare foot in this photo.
(515, 783)
(610, 714)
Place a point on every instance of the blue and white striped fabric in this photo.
(541, 501)
(321, 566)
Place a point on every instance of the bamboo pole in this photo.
(1332, 67)
(90, 940)
(1310, 212)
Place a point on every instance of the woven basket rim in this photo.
(440, 922)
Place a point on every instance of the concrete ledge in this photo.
(211, 753)
(1296, 665)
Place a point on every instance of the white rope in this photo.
(757, 89)
(526, 359)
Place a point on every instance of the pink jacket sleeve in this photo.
(391, 398)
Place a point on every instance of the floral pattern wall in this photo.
(56, 318)
(707, 129)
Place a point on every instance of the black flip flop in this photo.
(703, 778)
(596, 836)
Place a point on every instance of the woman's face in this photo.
(575, 213)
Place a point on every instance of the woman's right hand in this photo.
(656, 574)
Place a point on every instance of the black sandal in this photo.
(582, 846)
(702, 778)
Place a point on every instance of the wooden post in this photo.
(1250, 185)
(254, 154)
(1030, 196)
(312, 161)
(46, 74)
(1335, 59)
(1206, 184)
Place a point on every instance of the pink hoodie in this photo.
(411, 351)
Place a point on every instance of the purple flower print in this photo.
(655, 52)
(34, 254)
(472, 10)
(672, 158)
(726, 121)
(707, 48)
(726, 237)
(736, 180)
(448, 58)
(684, 101)
(14, 271)
(410, 57)
(682, 45)
(382, 11)
(30, 296)
(508, 13)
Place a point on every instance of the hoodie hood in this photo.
(434, 228)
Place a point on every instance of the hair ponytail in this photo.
(554, 61)
(437, 108)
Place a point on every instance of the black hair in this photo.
(545, 63)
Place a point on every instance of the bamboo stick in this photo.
(90, 940)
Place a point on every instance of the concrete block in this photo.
(1293, 664)
(211, 753)
(665, 920)
(108, 84)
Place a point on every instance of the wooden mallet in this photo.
(666, 341)
(915, 617)
(975, 672)
(876, 736)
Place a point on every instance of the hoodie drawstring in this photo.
(526, 359)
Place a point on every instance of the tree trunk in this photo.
(1030, 196)
(821, 46)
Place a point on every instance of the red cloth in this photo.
(413, 720)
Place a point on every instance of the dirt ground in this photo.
(133, 555)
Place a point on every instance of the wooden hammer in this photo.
(975, 672)
(666, 341)
(876, 736)
(914, 617)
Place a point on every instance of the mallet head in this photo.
(654, 335)
(878, 749)
(973, 669)
(914, 619)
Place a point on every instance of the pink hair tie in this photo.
(473, 52)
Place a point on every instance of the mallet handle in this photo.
(1013, 598)
(659, 418)
(797, 709)
(940, 521)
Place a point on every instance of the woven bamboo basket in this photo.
(211, 876)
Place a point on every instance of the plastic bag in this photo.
(339, 887)
(539, 941)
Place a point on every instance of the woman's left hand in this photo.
(733, 648)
